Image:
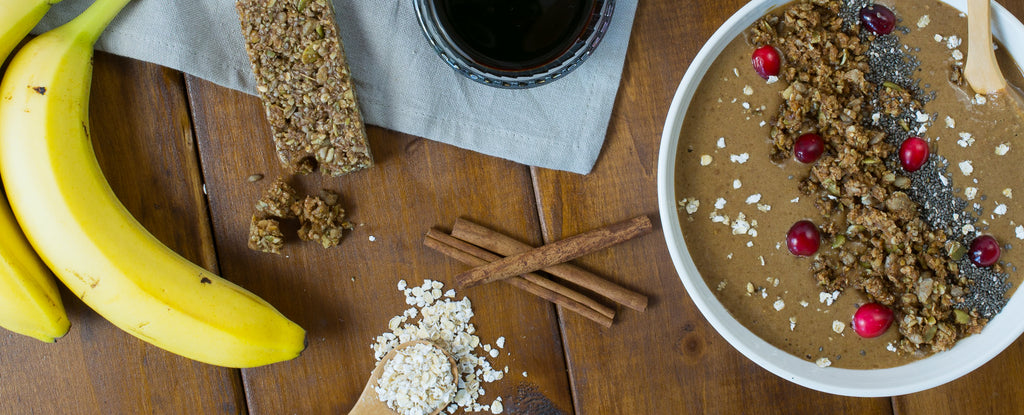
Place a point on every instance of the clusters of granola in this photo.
(321, 218)
(874, 237)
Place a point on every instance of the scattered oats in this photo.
(746, 105)
(736, 71)
(500, 342)
(838, 326)
(754, 198)
(721, 142)
(721, 285)
(740, 226)
(729, 256)
(525, 374)
(966, 139)
(890, 347)
(1008, 192)
(875, 117)
(828, 298)
(373, 238)
(922, 117)
(719, 203)
(716, 218)
(823, 362)
(804, 303)
(762, 124)
(764, 207)
(747, 90)
(966, 168)
(739, 158)
(938, 37)
(736, 184)
(446, 322)
(1002, 149)
(979, 99)
(953, 42)
(957, 55)
(750, 244)
(494, 352)
(950, 122)
(750, 288)
(761, 257)
(970, 192)
(967, 229)
(775, 282)
(795, 199)
(691, 205)
(1019, 230)
(792, 323)
(923, 21)
(1000, 209)
(764, 293)
(705, 160)
(942, 178)
(496, 406)
(772, 79)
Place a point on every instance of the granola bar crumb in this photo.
(265, 235)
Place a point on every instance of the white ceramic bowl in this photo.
(935, 370)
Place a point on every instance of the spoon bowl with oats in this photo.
(416, 377)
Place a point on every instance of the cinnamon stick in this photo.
(504, 245)
(531, 283)
(555, 252)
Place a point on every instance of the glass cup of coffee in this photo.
(514, 44)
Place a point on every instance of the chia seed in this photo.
(932, 185)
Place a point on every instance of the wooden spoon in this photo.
(982, 70)
(370, 404)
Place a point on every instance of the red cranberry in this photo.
(766, 61)
(878, 19)
(913, 153)
(803, 238)
(984, 251)
(872, 319)
(808, 147)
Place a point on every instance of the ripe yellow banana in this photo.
(18, 18)
(29, 301)
(87, 237)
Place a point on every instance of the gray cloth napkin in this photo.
(401, 83)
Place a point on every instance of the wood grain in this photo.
(666, 360)
(345, 296)
(682, 364)
(143, 139)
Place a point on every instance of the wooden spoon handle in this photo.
(981, 70)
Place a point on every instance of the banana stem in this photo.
(94, 20)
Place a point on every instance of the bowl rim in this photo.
(935, 370)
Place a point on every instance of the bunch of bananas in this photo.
(72, 219)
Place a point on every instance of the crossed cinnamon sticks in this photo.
(497, 257)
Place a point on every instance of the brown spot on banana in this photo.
(41, 90)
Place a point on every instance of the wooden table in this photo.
(178, 151)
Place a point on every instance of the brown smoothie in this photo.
(737, 205)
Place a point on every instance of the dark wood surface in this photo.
(178, 151)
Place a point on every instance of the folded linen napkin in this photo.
(401, 83)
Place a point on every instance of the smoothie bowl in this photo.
(838, 203)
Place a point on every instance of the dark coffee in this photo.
(514, 35)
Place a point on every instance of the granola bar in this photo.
(304, 82)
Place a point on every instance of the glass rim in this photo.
(566, 62)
